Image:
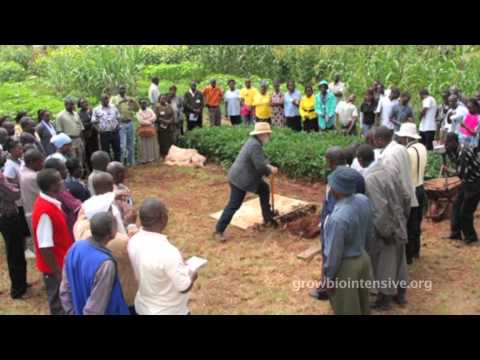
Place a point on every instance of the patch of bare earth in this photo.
(257, 272)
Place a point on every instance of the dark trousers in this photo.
(110, 140)
(91, 145)
(165, 140)
(414, 225)
(132, 310)
(463, 212)
(13, 234)
(236, 199)
(294, 123)
(194, 124)
(427, 139)
(52, 284)
(235, 120)
(310, 125)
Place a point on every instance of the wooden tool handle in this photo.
(272, 191)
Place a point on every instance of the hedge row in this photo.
(298, 155)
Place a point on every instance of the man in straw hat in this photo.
(348, 229)
(408, 136)
(246, 175)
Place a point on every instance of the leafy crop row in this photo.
(298, 155)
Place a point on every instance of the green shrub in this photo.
(174, 72)
(298, 155)
(434, 165)
(162, 54)
(222, 80)
(21, 54)
(242, 60)
(89, 70)
(29, 96)
(11, 71)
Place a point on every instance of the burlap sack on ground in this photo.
(185, 157)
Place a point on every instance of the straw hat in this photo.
(261, 128)
(408, 130)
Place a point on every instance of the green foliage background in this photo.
(33, 78)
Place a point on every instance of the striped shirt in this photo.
(469, 165)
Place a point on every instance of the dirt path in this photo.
(258, 272)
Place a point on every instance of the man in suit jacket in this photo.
(193, 107)
(246, 175)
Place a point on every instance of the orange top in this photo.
(213, 96)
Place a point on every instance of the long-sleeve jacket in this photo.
(249, 167)
(347, 231)
(9, 193)
(325, 109)
(391, 202)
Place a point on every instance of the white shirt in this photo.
(11, 170)
(45, 227)
(418, 161)
(338, 87)
(103, 203)
(356, 165)
(429, 121)
(457, 118)
(232, 99)
(161, 275)
(346, 112)
(384, 108)
(153, 93)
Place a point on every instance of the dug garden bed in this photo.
(298, 155)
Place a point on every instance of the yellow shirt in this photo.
(248, 95)
(307, 108)
(263, 110)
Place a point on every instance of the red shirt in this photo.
(62, 239)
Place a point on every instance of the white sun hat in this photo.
(408, 130)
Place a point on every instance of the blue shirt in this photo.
(77, 189)
(347, 230)
(330, 201)
(290, 109)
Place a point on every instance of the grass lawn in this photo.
(256, 272)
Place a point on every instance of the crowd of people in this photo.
(64, 202)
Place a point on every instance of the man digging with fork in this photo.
(246, 175)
